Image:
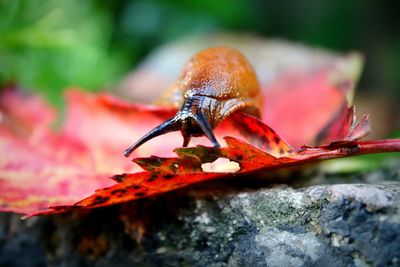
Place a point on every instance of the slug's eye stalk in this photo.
(206, 128)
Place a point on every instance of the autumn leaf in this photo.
(306, 118)
(166, 174)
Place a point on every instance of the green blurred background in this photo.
(48, 45)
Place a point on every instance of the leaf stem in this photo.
(378, 146)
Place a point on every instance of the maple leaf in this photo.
(306, 118)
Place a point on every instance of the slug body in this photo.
(215, 83)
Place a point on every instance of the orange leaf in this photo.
(40, 167)
(163, 177)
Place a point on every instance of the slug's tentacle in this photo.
(175, 124)
(206, 128)
(186, 140)
(168, 126)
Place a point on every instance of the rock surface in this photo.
(224, 224)
(322, 225)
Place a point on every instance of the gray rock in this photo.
(325, 225)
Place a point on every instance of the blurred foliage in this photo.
(140, 26)
(48, 45)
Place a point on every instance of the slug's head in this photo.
(214, 84)
(190, 120)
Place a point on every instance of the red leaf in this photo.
(40, 167)
(310, 102)
(358, 130)
(338, 127)
(24, 114)
(163, 177)
(166, 174)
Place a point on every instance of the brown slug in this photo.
(215, 83)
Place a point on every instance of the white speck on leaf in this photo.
(222, 165)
